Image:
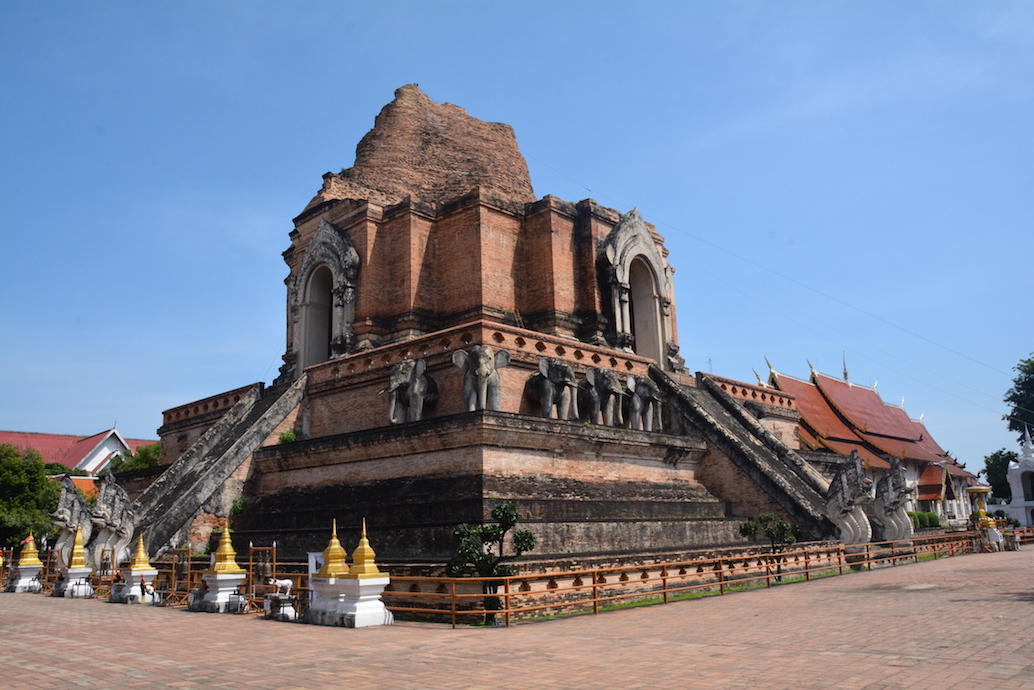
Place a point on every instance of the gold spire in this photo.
(362, 559)
(225, 557)
(140, 560)
(78, 559)
(29, 554)
(334, 556)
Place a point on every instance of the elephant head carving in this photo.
(555, 386)
(605, 393)
(645, 412)
(481, 378)
(409, 388)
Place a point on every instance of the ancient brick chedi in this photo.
(436, 225)
(452, 342)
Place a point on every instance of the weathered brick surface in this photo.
(433, 152)
(582, 488)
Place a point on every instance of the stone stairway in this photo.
(772, 465)
(164, 511)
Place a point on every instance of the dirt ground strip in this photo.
(965, 622)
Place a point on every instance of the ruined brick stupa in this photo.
(452, 342)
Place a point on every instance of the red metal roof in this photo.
(65, 449)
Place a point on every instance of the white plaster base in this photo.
(221, 596)
(130, 592)
(74, 583)
(348, 602)
(25, 578)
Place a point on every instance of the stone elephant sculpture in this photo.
(409, 388)
(556, 387)
(605, 393)
(481, 378)
(645, 409)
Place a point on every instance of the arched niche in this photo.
(640, 291)
(645, 315)
(321, 298)
(1027, 484)
(317, 317)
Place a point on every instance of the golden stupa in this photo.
(334, 556)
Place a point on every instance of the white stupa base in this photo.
(74, 583)
(25, 578)
(221, 596)
(131, 592)
(349, 602)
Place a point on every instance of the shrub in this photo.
(999, 513)
(288, 437)
(933, 519)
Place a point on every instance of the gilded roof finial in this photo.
(363, 565)
(140, 561)
(78, 559)
(758, 377)
(29, 554)
(334, 556)
(225, 557)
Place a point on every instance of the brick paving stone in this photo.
(953, 623)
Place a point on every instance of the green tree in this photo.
(146, 457)
(481, 548)
(780, 534)
(53, 468)
(27, 497)
(1021, 397)
(996, 468)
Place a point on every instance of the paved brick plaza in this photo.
(954, 623)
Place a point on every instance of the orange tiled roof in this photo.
(822, 422)
(874, 421)
(930, 486)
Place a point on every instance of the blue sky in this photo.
(832, 178)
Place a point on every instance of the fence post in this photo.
(506, 599)
(664, 582)
(768, 570)
(721, 576)
(452, 604)
(807, 565)
(595, 593)
(841, 552)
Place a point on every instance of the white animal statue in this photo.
(282, 586)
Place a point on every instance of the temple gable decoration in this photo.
(321, 298)
(640, 289)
